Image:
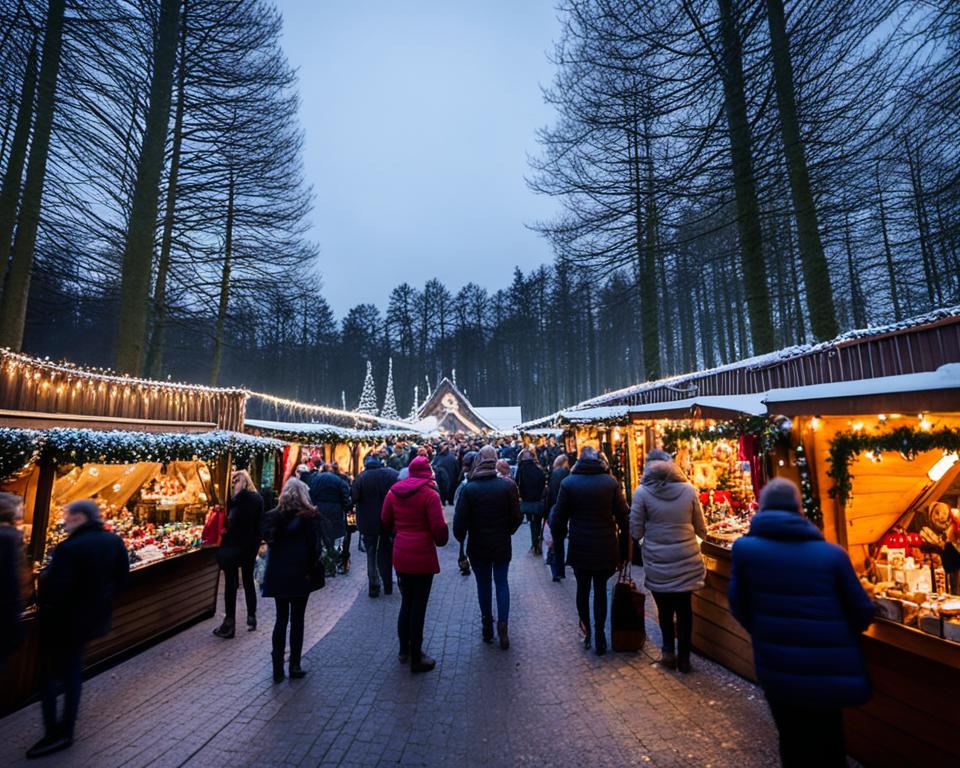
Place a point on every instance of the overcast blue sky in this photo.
(418, 117)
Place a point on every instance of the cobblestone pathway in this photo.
(198, 701)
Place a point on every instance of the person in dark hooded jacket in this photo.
(330, 494)
(592, 512)
(531, 481)
(560, 471)
(447, 468)
(75, 606)
(368, 492)
(666, 515)
(799, 598)
(488, 510)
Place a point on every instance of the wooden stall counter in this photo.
(716, 633)
(913, 717)
(157, 600)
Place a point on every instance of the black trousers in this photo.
(415, 592)
(61, 670)
(596, 580)
(379, 559)
(670, 606)
(231, 583)
(290, 609)
(809, 736)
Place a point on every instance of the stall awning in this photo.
(307, 431)
(931, 391)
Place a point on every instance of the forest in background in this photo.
(734, 177)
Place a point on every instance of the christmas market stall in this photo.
(154, 490)
(881, 462)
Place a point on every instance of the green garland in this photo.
(811, 504)
(760, 427)
(20, 447)
(906, 441)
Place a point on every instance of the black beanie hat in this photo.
(780, 494)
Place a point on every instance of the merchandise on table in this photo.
(158, 510)
(913, 578)
(725, 484)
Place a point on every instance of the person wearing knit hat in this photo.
(413, 515)
(799, 598)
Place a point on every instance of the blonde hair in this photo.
(295, 498)
(248, 484)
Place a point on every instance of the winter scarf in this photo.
(485, 464)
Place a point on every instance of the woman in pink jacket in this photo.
(413, 515)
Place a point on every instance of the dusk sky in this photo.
(418, 118)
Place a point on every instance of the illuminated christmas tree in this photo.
(368, 397)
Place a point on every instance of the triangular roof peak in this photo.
(453, 411)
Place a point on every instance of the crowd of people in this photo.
(805, 630)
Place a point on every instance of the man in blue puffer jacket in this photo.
(800, 600)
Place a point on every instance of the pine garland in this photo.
(906, 441)
(767, 431)
(20, 447)
(811, 503)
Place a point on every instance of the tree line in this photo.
(734, 176)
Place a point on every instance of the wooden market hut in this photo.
(69, 433)
(847, 401)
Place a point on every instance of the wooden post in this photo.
(41, 510)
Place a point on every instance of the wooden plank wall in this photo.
(716, 633)
(913, 718)
(157, 600)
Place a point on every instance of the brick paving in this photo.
(195, 700)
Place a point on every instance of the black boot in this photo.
(226, 630)
(585, 634)
(487, 629)
(502, 634)
(251, 623)
(296, 671)
(601, 643)
(278, 668)
(423, 664)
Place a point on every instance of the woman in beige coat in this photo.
(666, 515)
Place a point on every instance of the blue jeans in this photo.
(487, 573)
(558, 566)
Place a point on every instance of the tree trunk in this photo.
(816, 275)
(17, 287)
(923, 228)
(888, 253)
(752, 261)
(141, 228)
(857, 308)
(10, 193)
(154, 362)
(224, 289)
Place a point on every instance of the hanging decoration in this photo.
(368, 397)
(811, 504)
(906, 441)
(768, 431)
(389, 410)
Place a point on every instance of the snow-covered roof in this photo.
(945, 377)
(500, 417)
(685, 380)
(752, 405)
(593, 414)
(306, 429)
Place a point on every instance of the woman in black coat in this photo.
(294, 534)
(531, 481)
(561, 469)
(593, 512)
(488, 511)
(238, 551)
